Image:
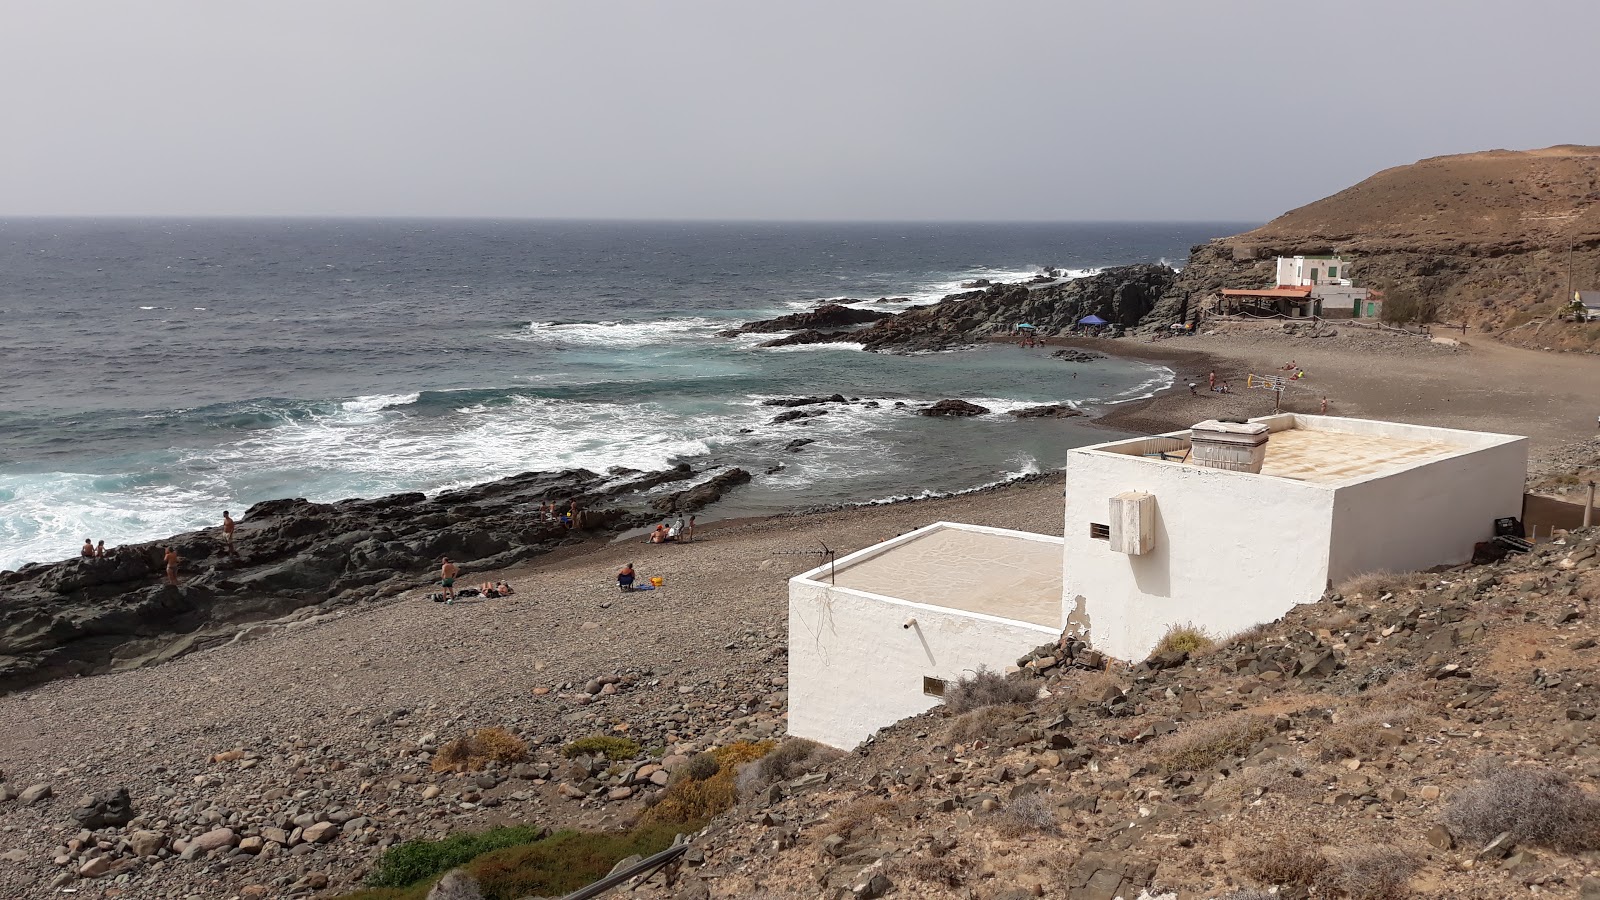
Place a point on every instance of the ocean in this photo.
(157, 372)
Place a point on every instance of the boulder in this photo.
(953, 408)
(105, 810)
(320, 833)
(702, 495)
(456, 885)
(1047, 411)
(34, 793)
(146, 843)
(829, 315)
(215, 839)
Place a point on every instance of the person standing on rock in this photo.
(447, 577)
(228, 528)
(171, 559)
(572, 513)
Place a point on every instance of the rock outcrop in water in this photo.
(1124, 295)
(86, 616)
(828, 315)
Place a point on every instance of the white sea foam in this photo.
(378, 402)
(623, 334)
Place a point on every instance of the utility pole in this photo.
(1568, 297)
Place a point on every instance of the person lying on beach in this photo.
(495, 589)
(625, 577)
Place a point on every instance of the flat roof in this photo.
(1009, 574)
(1327, 449)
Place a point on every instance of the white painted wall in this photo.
(1297, 270)
(1428, 515)
(1231, 550)
(854, 668)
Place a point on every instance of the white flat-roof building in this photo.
(1226, 550)
(875, 636)
(1155, 535)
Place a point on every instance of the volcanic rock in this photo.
(1047, 411)
(702, 495)
(953, 408)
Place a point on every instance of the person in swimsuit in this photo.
(100, 550)
(447, 577)
(228, 527)
(171, 559)
(688, 532)
(625, 577)
(88, 549)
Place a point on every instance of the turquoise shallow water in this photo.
(162, 371)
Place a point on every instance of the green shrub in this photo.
(615, 749)
(408, 863)
(689, 799)
(701, 767)
(564, 862)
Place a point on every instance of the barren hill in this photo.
(1486, 235)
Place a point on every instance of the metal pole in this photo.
(633, 871)
(1588, 507)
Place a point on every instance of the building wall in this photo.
(1427, 515)
(854, 668)
(1297, 270)
(1231, 550)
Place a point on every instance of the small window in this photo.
(1333, 271)
(1099, 532)
(933, 687)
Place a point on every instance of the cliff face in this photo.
(1485, 235)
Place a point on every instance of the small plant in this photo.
(616, 749)
(690, 799)
(1290, 861)
(1537, 805)
(1032, 813)
(477, 750)
(1372, 585)
(983, 722)
(857, 814)
(1366, 733)
(1210, 741)
(793, 758)
(1183, 639)
(1248, 895)
(986, 688)
(411, 862)
(701, 767)
(1373, 872)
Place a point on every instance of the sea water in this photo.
(157, 372)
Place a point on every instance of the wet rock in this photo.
(1047, 411)
(953, 408)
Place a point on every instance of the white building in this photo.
(1310, 271)
(875, 636)
(1230, 549)
(1152, 539)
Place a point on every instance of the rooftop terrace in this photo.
(1326, 449)
(981, 570)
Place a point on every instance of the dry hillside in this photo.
(1485, 235)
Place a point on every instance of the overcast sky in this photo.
(749, 109)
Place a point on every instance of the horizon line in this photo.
(314, 217)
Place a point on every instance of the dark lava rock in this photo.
(953, 408)
(1071, 354)
(794, 445)
(795, 415)
(1047, 411)
(804, 401)
(106, 809)
(702, 495)
(829, 315)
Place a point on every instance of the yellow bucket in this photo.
(657, 581)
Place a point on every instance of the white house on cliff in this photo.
(1158, 531)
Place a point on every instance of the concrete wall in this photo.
(854, 668)
(1231, 550)
(1429, 514)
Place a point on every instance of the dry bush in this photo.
(1248, 895)
(701, 767)
(611, 747)
(692, 800)
(476, 750)
(1283, 777)
(1373, 872)
(940, 870)
(1537, 805)
(1255, 634)
(981, 723)
(1291, 860)
(1183, 639)
(856, 814)
(1365, 733)
(793, 758)
(987, 687)
(1372, 585)
(1033, 813)
(1207, 742)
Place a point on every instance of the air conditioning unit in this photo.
(1133, 523)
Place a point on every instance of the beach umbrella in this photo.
(1092, 320)
(1025, 325)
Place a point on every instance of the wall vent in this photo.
(933, 687)
(1099, 532)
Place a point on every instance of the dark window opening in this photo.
(933, 687)
(1099, 532)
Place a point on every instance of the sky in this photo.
(679, 109)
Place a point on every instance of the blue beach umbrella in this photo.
(1025, 325)
(1092, 320)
